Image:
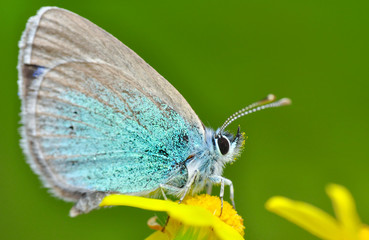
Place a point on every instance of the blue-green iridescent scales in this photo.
(105, 140)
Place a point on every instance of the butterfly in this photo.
(97, 119)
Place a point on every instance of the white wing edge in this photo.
(30, 147)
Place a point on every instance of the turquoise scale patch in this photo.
(106, 144)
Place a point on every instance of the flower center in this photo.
(213, 204)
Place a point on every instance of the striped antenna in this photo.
(268, 102)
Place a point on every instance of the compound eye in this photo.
(223, 144)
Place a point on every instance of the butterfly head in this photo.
(228, 146)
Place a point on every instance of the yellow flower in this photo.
(347, 226)
(196, 218)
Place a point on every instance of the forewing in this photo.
(96, 117)
(57, 36)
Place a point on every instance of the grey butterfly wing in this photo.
(96, 117)
(56, 36)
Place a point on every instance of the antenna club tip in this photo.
(285, 101)
(271, 97)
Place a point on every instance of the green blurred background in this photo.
(221, 55)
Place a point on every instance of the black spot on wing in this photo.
(185, 138)
(163, 152)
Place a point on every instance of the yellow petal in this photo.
(344, 207)
(186, 214)
(364, 233)
(158, 235)
(224, 231)
(191, 215)
(306, 216)
(134, 201)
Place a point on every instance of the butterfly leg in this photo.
(188, 185)
(209, 188)
(224, 181)
(162, 192)
(221, 195)
(171, 188)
